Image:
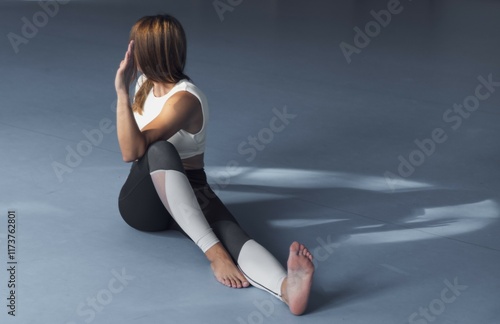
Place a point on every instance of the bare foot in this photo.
(224, 269)
(297, 285)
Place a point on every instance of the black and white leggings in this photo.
(159, 195)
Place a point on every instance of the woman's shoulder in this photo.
(182, 85)
(189, 86)
(189, 93)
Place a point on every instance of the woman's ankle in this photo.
(216, 252)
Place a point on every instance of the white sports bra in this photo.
(187, 144)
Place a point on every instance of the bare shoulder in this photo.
(184, 100)
(187, 107)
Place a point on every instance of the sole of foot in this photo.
(299, 278)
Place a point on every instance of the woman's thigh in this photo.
(139, 203)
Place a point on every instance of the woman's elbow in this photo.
(127, 159)
(132, 156)
(132, 151)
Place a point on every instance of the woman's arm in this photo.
(132, 142)
(129, 135)
(175, 115)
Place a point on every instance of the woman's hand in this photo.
(126, 71)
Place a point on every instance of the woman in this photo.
(163, 133)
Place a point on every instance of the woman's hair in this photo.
(159, 52)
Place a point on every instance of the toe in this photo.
(237, 283)
(243, 280)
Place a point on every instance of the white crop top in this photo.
(187, 144)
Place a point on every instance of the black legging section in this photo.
(141, 207)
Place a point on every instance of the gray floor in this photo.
(402, 232)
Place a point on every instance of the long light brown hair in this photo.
(159, 52)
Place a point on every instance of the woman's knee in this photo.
(162, 155)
